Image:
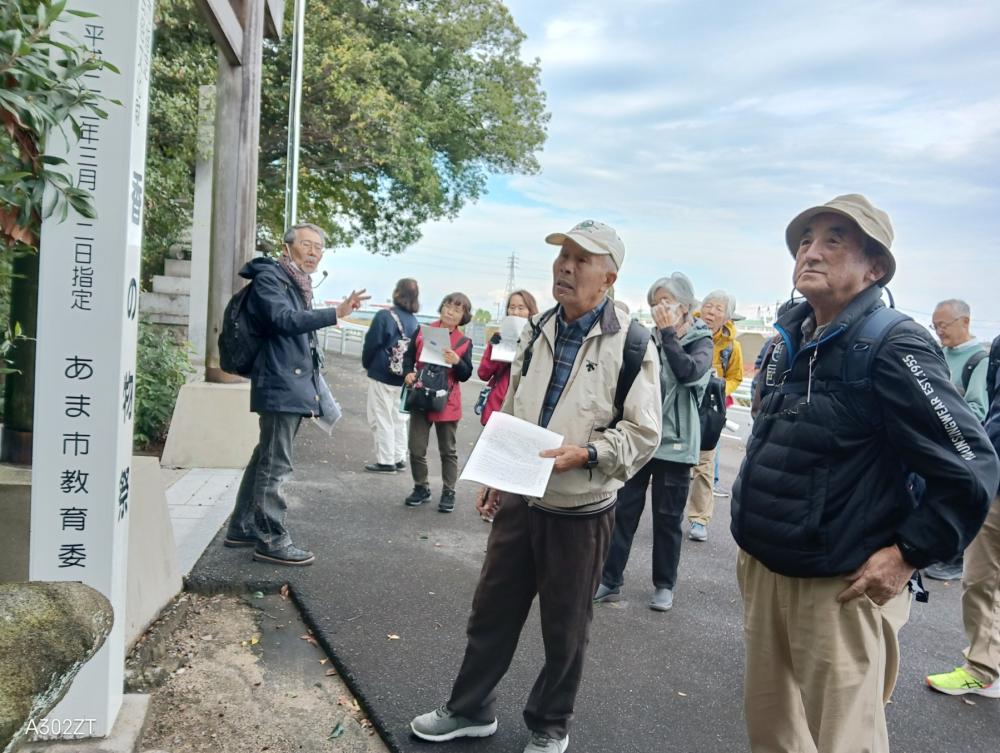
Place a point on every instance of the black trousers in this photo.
(669, 482)
(558, 558)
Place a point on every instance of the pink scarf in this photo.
(302, 281)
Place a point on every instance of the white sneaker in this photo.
(542, 743)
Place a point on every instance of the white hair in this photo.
(721, 295)
(958, 306)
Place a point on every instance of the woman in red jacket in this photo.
(455, 311)
(497, 373)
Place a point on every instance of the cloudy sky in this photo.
(699, 129)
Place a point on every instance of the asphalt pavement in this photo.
(389, 596)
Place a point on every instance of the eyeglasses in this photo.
(941, 327)
(310, 245)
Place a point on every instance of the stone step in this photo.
(171, 285)
(165, 303)
(171, 319)
(177, 267)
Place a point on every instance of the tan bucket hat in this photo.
(873, 222)
(594, 237)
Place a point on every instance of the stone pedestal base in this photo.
(212, 427)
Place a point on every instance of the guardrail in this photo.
(344, 334)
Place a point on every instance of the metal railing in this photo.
(344, 335)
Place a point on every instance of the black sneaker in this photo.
(287, 555)
(401, 465)
(418, 496)
(380, 468)
(447, 501)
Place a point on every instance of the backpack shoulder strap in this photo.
(993, 370)
(724, 358)
(634, 350)
(536, 331)
(974, 360)
(862, 347)
(399, 324)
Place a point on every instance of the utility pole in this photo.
(511, 283)
(295, 117)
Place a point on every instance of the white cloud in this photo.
(699, 130)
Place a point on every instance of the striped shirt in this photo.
(569, 340)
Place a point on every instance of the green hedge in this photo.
(162, 368)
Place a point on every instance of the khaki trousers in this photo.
(420, 434)
(818, 673)
(387, 424)
(981, 599)
(701, 503)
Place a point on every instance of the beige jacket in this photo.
(586, 405)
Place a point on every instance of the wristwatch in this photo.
(591, 456)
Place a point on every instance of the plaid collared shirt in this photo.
(569, 339)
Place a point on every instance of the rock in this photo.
(59, 626)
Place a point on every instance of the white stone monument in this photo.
(85, 369)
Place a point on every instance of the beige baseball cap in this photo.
(593, 237)
(873, 222)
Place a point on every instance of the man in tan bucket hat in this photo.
(854, 397)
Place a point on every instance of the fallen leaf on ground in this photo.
(969, 701)
(682, 694)
(367, 726)
(337, 731)
(331, 672)
(323, 661)
(343, 700)
(283, 593)
(258, 594)
(392, 637)
(309, 639)
(255, 640)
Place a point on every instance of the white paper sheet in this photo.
(506, 456)
(510, 331)
(330, 407)
(436, 341)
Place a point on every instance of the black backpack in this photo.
(712, 412)
(429, 393)
(974, 360)
(993, 369)
(238, 343)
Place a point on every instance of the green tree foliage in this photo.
(184, 58)
(38, 100)
(408, 106)
(162, 367)
(482, 316)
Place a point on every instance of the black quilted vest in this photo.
(820, 488)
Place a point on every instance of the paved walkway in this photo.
(390, 592)
(199, 501)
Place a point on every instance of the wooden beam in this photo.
(274, 19)
(225, 27)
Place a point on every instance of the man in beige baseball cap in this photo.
(565, 377)
(855, 395)
(594, 237)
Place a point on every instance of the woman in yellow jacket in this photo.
(717, 311)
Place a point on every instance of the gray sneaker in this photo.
(698, 532)
(663, 599)
(944, 570)
(542, 743)
(441, 724)
(604, 595)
